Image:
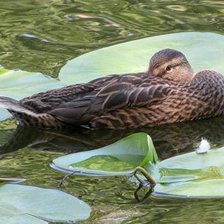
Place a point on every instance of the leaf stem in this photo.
(145, 174)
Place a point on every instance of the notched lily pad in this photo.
(119, 158)
(32, 205)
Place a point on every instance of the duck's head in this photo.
(170, 64)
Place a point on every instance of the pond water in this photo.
(42, 36)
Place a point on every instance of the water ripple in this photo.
(43, 35)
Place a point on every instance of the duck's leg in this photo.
(149, 178)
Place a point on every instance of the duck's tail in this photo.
(26, 116)
(13, 106)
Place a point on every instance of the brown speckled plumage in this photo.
(170, 94)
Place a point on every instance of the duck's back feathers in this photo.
(111, 98)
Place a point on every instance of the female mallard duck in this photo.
(168, 92)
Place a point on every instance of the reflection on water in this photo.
(169, 140)
(41, 35)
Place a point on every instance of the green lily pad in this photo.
(202, 189)
(204, 51)
(119, 158)
(190, 175)
(20, 84)
(32, 205)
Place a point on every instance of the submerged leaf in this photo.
(32, 205)
(106, 163)
(119, 158)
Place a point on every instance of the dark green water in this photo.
(42, 35)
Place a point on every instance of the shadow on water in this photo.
(169, 140)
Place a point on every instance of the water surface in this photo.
(42, 36)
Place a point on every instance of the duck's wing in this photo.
(110, 98)
(45, 101)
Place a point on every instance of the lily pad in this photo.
(20, 84)
(119, 158)
(190, 175)
(204, 51)
(32, 205)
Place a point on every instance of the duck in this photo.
(168, 92)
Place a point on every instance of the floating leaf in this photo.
(119, 158)
(190, 175)
(133, 56)
(32, 205)
(20, 84)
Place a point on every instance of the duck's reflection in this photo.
(168, 139)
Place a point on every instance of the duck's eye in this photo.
(168, 68)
